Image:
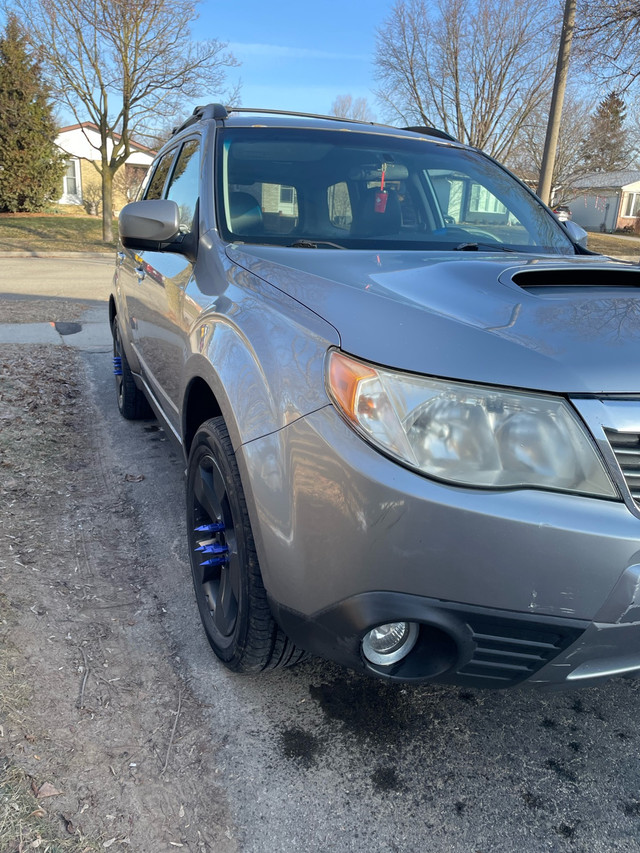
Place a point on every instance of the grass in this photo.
(70, 230)
(24, 823)
(614, 245)
(52, 232)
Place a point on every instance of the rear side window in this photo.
(184, 185)
(155, 187)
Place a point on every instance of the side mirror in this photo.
(576, 233)
(154, 226)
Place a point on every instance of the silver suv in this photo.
(408, 397)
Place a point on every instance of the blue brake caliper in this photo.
(117, 365)
(219, 553)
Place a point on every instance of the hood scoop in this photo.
(605, 277)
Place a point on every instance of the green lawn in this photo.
(57, 232)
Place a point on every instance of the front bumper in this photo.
(472, 646)
(508, 587)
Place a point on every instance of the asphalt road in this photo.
(316, 758)
(87, 278)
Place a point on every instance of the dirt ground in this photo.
(101, 743)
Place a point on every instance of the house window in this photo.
(281, 199)
(70, 181)
(482, 201)
(286, 195)
(631, 205)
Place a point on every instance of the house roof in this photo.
(600, 180)
(90, 125)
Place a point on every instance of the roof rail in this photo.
(428, 131)
(220, 113)
(432, 131)
(202, 113)
(296, 113)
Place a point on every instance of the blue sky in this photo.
(298, 56)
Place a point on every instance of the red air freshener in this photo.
(381, 201)
(380, 204)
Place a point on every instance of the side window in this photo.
(184, 186)
(159, 177)
(339, 205)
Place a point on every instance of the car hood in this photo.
(552, 323)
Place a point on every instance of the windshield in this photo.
(358, 190)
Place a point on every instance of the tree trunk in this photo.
(107, 204)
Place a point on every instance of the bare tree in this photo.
(608, 33)
(164, 128)
(122, 64)
(346, 106)
(478, 70)
(526, 156)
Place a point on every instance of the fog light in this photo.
(389, 643)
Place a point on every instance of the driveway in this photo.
(314, 758)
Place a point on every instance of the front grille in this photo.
(510, 650)
(626, 448)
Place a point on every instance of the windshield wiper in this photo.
(474, 247)
(313, 244)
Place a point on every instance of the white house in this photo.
(607, 201)
(81, 181)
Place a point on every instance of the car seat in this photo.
(245, 213)
(371, 221)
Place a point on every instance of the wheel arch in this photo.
(200, 405)
(112, 310)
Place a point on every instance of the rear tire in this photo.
(132, 404)
(228, 584)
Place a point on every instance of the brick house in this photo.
(81, 181)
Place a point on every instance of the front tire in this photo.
(228, 584)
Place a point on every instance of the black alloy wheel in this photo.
(228, 585)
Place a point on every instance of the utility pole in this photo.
(557, 101)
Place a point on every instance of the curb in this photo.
(55, 254)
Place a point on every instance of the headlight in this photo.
(466, 434)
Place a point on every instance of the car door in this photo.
(162, 329)
(131, 263)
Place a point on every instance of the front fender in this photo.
(262, 356)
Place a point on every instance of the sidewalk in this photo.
(91, 333)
